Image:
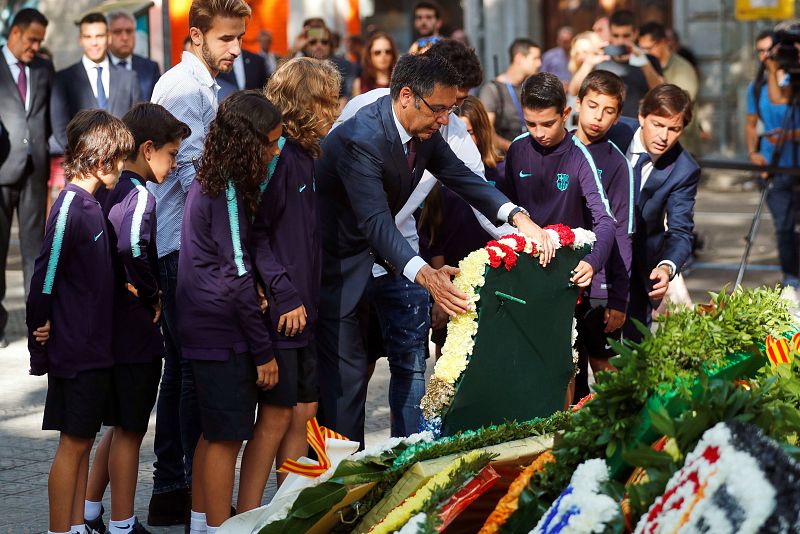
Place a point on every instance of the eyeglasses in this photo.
(440, 111)
(323, 42)
(381, 52)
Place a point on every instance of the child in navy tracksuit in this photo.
(550, 173)
(599, 106)
(220, 322)
(137, 344)
(69, 309)
(287, 253)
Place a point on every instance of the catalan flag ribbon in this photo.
(316, 438)
(778, 350)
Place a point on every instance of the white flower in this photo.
(554, 237)
(583, 237)
(414, 524)
(390, 444)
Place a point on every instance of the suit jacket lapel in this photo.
(113, 81)
(8, 79)
(398, 190)
(657, 177)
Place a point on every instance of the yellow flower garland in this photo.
(400, 515)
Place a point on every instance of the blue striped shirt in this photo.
(189, 92)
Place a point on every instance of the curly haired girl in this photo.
(220, 322)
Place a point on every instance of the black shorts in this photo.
(297, 378)
(227, 395)
(592, 338)
(134, 391)
(77, 406)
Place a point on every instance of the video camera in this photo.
(786, 47)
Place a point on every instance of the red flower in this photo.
(518, 240)
(510, 261)
(494, 259)
(535, 251)
(565, 234)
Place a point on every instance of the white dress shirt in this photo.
(462, 145)
(238, 71)
(13, 66)
(635, 150)
(91, 72)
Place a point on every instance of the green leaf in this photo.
(642, 456)
(662, 421)
(322, 498)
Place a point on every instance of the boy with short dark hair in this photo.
(599, 106)
(138, 346)
(69, 309)
(550, 173)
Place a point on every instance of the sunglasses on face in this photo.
(381, 52)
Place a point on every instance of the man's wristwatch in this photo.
(513, 212)
(669, 270)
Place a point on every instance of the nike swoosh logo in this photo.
(98, 235)
(302, 188)
(524, 175)
(608, 347)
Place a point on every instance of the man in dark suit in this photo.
(25, 84)
(122, 28)
(370, 166)
(92, 82)
(665, 184)
(249, 72)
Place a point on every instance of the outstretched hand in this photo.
(441, 288)
(547, 248)
(660, 276)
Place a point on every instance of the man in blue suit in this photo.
(92, 82)
(665, 184)
(122, 29)
(249, 72)
(370, 166)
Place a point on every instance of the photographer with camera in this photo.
(640, 71)
(770, 106)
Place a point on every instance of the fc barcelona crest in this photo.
(562, 181)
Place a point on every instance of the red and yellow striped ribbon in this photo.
(316, 439)
(778, 350)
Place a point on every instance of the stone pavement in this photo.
(26, 451)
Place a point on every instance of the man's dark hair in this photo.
(427, 4)
(521, 45)
(92, 18)
(152, 122)
(655, 30)
(544, 90)
(421, 73)
(667, 100)
(605, 83)
(26, 17)
(623, 17)
(464, 60)
(763, 34)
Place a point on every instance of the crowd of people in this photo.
(271, 226)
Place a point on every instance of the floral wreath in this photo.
(461, 329)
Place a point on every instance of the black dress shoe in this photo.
(167, 509)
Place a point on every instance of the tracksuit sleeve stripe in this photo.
(136, 223)
(58, 239)
(233, 215)
(631, 192)
(273, 164)
(600, 189)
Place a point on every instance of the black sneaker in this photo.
(96, 525)
(167, 509)
(139, 529)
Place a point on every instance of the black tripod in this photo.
(788, 126)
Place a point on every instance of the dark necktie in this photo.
(102, 101)
(411, 154)
(644, 158)
(22, 82)
(123, 64)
